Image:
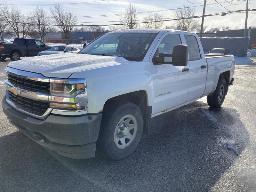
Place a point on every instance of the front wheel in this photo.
(15, 56)
(121, 132)
(217, 98)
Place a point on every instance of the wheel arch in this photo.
(226, 76)
(139, 98)
(16, 50)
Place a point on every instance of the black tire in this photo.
(216, 99)
(15, 56)
(108, 141)
(2, 59)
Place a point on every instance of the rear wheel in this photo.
(15, 56)
(217, 98)
(122, 129)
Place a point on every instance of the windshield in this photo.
(131, 46)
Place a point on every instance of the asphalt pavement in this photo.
(190, 149)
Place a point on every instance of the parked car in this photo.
(109, 92)
(73, 48)
(252, 52)
(53, 49)
(21, 48)
(218, 52)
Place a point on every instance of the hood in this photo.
(64, 65)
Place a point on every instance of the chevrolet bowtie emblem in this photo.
(15, 91)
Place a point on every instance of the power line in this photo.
(176, 19)
(164, 20)
(221, 5)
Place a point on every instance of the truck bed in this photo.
(217, 59)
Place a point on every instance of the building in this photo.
(232, 40)
(75, 37)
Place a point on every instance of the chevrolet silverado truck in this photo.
(104, 98)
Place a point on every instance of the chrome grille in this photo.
(28, 92)
(28, 84)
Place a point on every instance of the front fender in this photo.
(106, 83)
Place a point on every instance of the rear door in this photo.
(196, 69)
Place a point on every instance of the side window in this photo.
(61, 48)
(31, 42)
(39, 43)
(19, 41)
(166, 47)
(193, 48)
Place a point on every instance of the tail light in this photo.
(1, 47)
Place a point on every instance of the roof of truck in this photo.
(147, 30)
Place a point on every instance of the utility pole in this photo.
(246, 19)
(202, 23)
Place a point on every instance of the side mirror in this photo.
(180, 55)
(85, 45)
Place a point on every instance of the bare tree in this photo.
(3, 24)
(95, 28)
(41, 22)
(65, 21)
(154, 21)
(27, 26)
(13, 19)
(185, 19)
(129, 19)
(114, 27)
(16, 22)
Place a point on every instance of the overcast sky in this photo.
(105, 11)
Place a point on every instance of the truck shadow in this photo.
(188, 149)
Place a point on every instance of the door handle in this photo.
(203, 66)
(185, 69)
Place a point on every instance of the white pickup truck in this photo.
(105, 96)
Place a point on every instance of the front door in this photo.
(170, 83)
(31, 47)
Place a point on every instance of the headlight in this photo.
(68, 94)
(67, 88)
